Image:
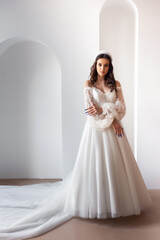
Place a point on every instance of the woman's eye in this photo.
(104, 65)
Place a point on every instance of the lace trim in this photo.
(98, 88)
(87, 88)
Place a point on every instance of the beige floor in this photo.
(143, 227)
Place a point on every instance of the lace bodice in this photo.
(113, 106)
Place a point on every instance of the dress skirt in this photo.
(106, 181)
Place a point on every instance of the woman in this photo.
(105, 181)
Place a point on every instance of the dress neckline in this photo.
(101, 90)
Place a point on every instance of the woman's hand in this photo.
(93, 110)
(117, 128)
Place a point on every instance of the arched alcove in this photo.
(30, 106)
(118, 33)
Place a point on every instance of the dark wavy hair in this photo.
(110, 81)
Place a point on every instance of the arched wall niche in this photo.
(30, 106)
(118, 34)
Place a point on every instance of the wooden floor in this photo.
(143, 227)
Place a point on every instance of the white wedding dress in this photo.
(104, 183)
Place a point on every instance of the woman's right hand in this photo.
(93, 110)
(117, 128)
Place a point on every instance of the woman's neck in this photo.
(100, 80)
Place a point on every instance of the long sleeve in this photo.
(88, 98)
(110, 112)
(117, 109)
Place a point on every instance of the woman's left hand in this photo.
(93, 110)
(117, 128)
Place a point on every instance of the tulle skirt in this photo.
(104, 183)
(106, 180)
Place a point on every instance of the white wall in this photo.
(30, 107)
(68, 35)
(71, 30)
(149, 91)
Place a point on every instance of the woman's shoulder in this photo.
(87, 83)
(118, 84)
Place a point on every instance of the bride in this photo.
(105, 181)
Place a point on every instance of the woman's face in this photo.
(102, 66)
